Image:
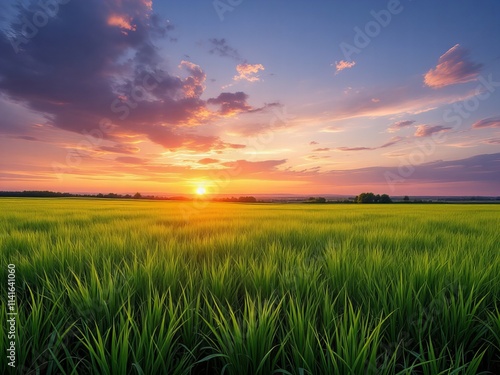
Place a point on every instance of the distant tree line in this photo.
(53, 194)
(245, 199)
(316, 200)
(372, 198)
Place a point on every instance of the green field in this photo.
(132, 287)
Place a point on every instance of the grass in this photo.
(132, 287)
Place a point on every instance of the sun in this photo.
(200, 190)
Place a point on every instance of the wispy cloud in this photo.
(400, 125)
(492, 141)
(332, 129)
(342, 65)
(453, 67)
(428, 130)
(391, 142)
(205, 161)
(221, 48)
(492, 122)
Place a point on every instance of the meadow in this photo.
(133, 287)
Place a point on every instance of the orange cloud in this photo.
(194, 84)
(248, 72)
(121, 22)
(453, 67)
(342, 64)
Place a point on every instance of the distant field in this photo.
(131, 287)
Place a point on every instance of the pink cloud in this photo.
(492, 141)
(248, 72)
(426, 130)
(342, 65)
(453, 67)
(492, 122)
(393, 101)
(400, 125)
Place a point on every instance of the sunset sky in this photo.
(250, 97)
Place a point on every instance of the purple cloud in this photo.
(77, 76)
(492, 122)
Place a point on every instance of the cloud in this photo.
(313, 143)
(246, 167)
(400, 125)
(317, 157)
(323, 149)
(391, 142)
(427, 130)
(342, 65)
(131, 160)
(221, 48)
(492, 122)
(121, 21)
(453, 67)
(408, 99)
(248, 72)
(231, 103)
(75, 77)
(332, 129)
(205, 161)
(492, 141)
(354, 148)
(119, 148)
(193, 85)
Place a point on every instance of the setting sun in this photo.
(201, 190)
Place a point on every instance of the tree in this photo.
(372, 198)
(406, 199)
(316, 200)
(137, 195)
(365, 198)
(248, 199)
(384, 198)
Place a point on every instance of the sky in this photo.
(250, 97)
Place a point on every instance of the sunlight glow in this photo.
(200, 190)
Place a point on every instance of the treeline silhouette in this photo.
(54, 194)
(361, 198)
